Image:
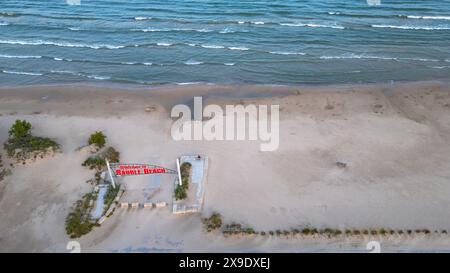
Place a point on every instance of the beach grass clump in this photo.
(213, 222)
(98, 139)
(181, 190)
(78, 222)
(22, 145)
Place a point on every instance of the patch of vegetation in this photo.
(181, 190)
(98, 139)
(212, 223)
(185, 170)
(95, 162)
(22, 145)
(112, 155)
(4, 173)
(98, 162)
(78, 222)
(110, 196)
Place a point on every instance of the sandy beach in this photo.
(394, 139)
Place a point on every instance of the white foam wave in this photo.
(226, 30)
(96, 77)
(187, 83)
(311, 25)
(193, 62)
(148, 64)
(20, 57)
(74, 29)
(429, 17)
(258, 23)
(238, 48)
(22, 73)
(163, 44)
(61, 44)
(64, 72)
(286, 53)
(364, 56)
(172, 29)
(406, 27)
(212, 46)
(142, 18)
(4, 24)
(229, 64)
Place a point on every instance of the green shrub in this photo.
(112, 155)
(110, 196)
(98, 139)
(20, 129)
(95, 162)
(21, 144)
(185, 170)
(78, 222)
(212, 223)
(180, 192)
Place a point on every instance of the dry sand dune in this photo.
(394, 139)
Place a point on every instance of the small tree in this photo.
(20, 129)
(98, 139)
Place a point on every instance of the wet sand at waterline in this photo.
(393, 138)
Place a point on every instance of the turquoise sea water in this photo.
(223, 41)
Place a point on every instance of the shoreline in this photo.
(132, 86)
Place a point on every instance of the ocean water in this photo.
(223, 41)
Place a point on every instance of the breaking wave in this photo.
(60, 44)
(406, 27)
(22, 73)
